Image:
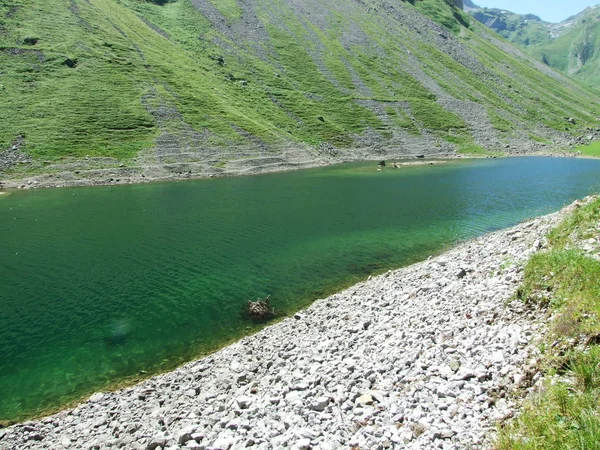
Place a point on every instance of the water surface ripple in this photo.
(99, 284)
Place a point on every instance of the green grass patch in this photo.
(539, 139)
(476, 150)
(465, 145)
(582, 224)
(433, 117)
(566, 415)
(443, 13)
(401, 119)
(592, 149)
(500, 123)
(229, 8)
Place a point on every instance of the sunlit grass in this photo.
(592, 149)
(566, 415)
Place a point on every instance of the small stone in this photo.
(244, 402)
(197, 437)
(65, 442)
(445, 390)
(454, 365)
(501, 404)
(464, 374)
(443, 434)
(301, 386)
(194, 445)
(158, 442)
(461, 273)
(222, 444)
(319, 403)
(186, 435)
(365, 399)
(303, 444)
(378, 396)
(497, 357)
(406, 436)
(482, 375)
(305, 433)
(446, 372)
(96, 397)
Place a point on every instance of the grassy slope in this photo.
(135, 58)
(567, 413)
(64, 110)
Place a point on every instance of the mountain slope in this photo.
(571, 46)
(520, 29)
(191, 87)
(574, 47)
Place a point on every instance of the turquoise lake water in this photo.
(101, 284)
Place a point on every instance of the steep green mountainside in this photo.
(571, 46)
(206, 86)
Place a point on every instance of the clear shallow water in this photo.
(99, 284)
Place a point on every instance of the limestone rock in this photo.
(96, 397)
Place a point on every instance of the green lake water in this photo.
(101, 284)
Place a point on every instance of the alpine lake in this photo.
(106, 285)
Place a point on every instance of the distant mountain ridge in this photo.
(571, 46)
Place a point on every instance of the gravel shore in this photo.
(426, 356)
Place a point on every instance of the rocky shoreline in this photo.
(111, 172)
(98, 171)
(427, 356)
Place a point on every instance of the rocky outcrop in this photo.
(421, 357)
(14, 155)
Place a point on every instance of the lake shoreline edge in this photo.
(399, 348)
(118, 176)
